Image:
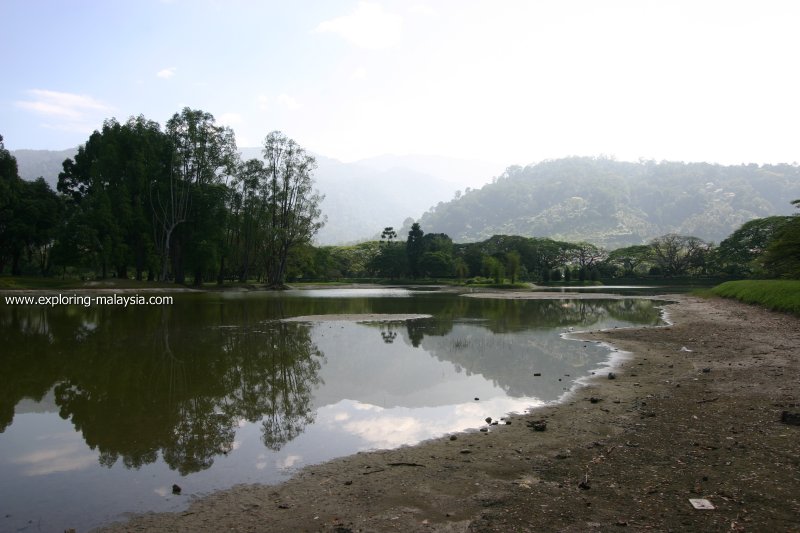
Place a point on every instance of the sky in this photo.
(507, 82)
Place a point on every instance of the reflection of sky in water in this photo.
(379, 386)
(352, 293)
(379, 428)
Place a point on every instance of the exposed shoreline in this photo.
(694, 412)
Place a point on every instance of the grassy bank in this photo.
(778, 295)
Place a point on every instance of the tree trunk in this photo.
(15, 270)
(221, 275)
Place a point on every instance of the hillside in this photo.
(614, 203)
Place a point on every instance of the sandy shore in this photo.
(695, 412)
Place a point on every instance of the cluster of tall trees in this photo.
(173, 204)
(29, 212)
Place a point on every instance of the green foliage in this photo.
(293, 215)
(415, 248)
(30, 213)
(778, 295)
(493, 268)
(513, 262)
(738, 253)
(678, 255)
(782, 256)
(391, 260)
(436, 265)
(632, 260)
(613, 203)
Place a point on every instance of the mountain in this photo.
(360, 198)
(460, 172)
(42, 163)
(613, 203)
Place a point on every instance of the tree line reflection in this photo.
(177, 382)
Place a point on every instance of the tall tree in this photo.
(10, 185)
(29, 215)
(107, 185)
(512, 265)
(414, 249)
(676, 255)
(739, 252)
(293, 213)
(204, 157)
(630, 257)
(248, 206)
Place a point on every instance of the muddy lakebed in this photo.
(148, 408)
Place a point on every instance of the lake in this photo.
(104, 408)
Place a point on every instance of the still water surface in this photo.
(103, 409)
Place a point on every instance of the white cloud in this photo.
(166, 73)
(283, 100)
(289, 102)
(360, 73)
(369, 26)
(423, 9)
(62, 105)
(230, 119)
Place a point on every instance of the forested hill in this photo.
(614, 203)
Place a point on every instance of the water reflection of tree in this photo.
(140, 382)
(29, 366)
(276, 370)
(519, 338)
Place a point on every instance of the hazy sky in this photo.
(503, 81)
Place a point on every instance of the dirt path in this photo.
(623, 454)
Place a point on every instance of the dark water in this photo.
(103, 408)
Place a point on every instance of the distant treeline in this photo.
(767, 247)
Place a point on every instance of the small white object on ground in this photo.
(701, 503)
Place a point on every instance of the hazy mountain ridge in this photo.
(613, 203)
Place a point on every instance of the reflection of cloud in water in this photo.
(288, 461)
(390, 428)
(58, 456)
(262, 462)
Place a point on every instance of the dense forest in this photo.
(181, 204)
(614, 203)
(174, 204)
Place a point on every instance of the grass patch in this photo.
(778, 295)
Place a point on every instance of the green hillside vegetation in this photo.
(613, 203)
